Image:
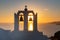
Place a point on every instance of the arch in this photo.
(19, 12)
(31, 12)
(21, 23)
(30, 22)
(30, 15)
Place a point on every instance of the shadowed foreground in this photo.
(21, 35)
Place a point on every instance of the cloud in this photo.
(46, 9)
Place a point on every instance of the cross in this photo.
(25, 6)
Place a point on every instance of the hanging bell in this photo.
(30, 19)
(21, 18)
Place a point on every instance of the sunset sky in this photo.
(48, 10)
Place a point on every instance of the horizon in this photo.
(47, 29)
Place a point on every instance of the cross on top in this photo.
(25, 6)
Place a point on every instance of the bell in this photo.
(30, 19)
(21, 19)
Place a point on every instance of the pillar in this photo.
(16, 22)
(25, 21)
(35, 22)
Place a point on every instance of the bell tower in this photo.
(25, 14)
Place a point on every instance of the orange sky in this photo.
(43, 16)
(47, 12)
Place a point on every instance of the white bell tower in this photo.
(25, 14)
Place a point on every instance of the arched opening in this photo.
(21, 22)
(30, 22)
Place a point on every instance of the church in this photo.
(29, 31)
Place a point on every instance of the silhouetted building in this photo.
(25, 14)
(29, 33)
(56, 36)
(25, 34)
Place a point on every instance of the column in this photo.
(16, 22)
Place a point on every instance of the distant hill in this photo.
(49, 28)
(55, 22)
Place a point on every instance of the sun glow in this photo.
(30, 22)
(21, 26)
(30, 17)
(30, 27)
